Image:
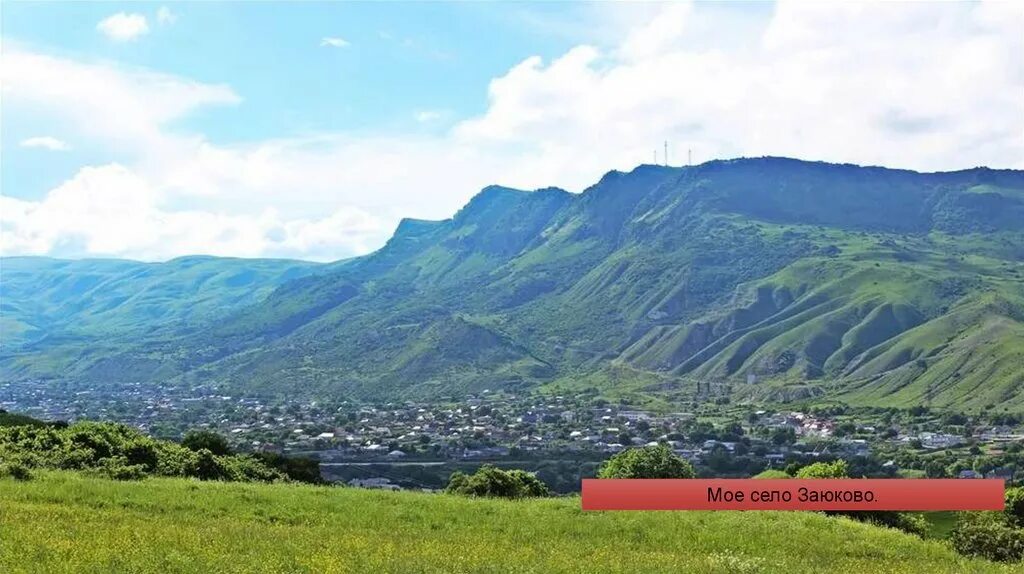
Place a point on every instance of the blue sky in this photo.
(152, 130)
(426, 60)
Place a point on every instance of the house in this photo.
(1005, 474)
(378, 483)
(710, 444)
(635, 416)
(969, 474)
(688, 454)
(939, 440)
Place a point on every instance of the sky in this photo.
(308, 130)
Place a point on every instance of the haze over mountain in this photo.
(766, 278)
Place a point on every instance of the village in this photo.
(734, 440)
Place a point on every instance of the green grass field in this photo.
(64, 522)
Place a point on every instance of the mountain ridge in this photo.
(810, 278)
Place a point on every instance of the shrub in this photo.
(1015, 505)
(245, 468)
(491, 481)
(910, 523)
(119, 468)
(198, 440)
(16, 470)
(646, 462)
(835, 469)
(174, 460)
(208, 466)
(988, 535)
(297, 468)
(142, 452)
(529, 485)
(121, 452)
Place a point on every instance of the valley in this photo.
(759, 280)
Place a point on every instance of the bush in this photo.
(174, 460)
(988, 535)
(208, 466)
(119, 468)
(836, 469)
(1015, 505)
(646, 462)
(245, 468)
(142, 452)
(491, 481)
(16, 470)
(297, 468)
(910, 523)
(198, 440)
(121, 452)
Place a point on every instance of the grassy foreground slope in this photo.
(63, 522)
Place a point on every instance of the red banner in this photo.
(793, 494)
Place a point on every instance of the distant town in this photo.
(415, 445)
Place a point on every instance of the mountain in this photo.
(42, 299)
(762, 278)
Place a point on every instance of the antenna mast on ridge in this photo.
(689, 157)
(655, 157)
(666, 152)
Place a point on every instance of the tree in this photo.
(935, 469)
(491, 481)
(911, 523)
(1015, 505)
(647, 462)
(845, 429)
(197, 440)
(298, 468)
(783, 435)
(989, 535)
(836, 469)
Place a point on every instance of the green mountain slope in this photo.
(42, 297)
(56, 522)
(763, 278)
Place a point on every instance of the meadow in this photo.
(71, 522)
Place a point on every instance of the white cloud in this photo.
(922, 86)
(45, 142)
(110, 210)
(165, 17)
(122, 27)
(128, 108)
(426, 116)
(334, 42)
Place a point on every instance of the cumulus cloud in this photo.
(334, 42)
(110, 210)
(125, 107)
(921, 86)
(45, 142)
(122, 27)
